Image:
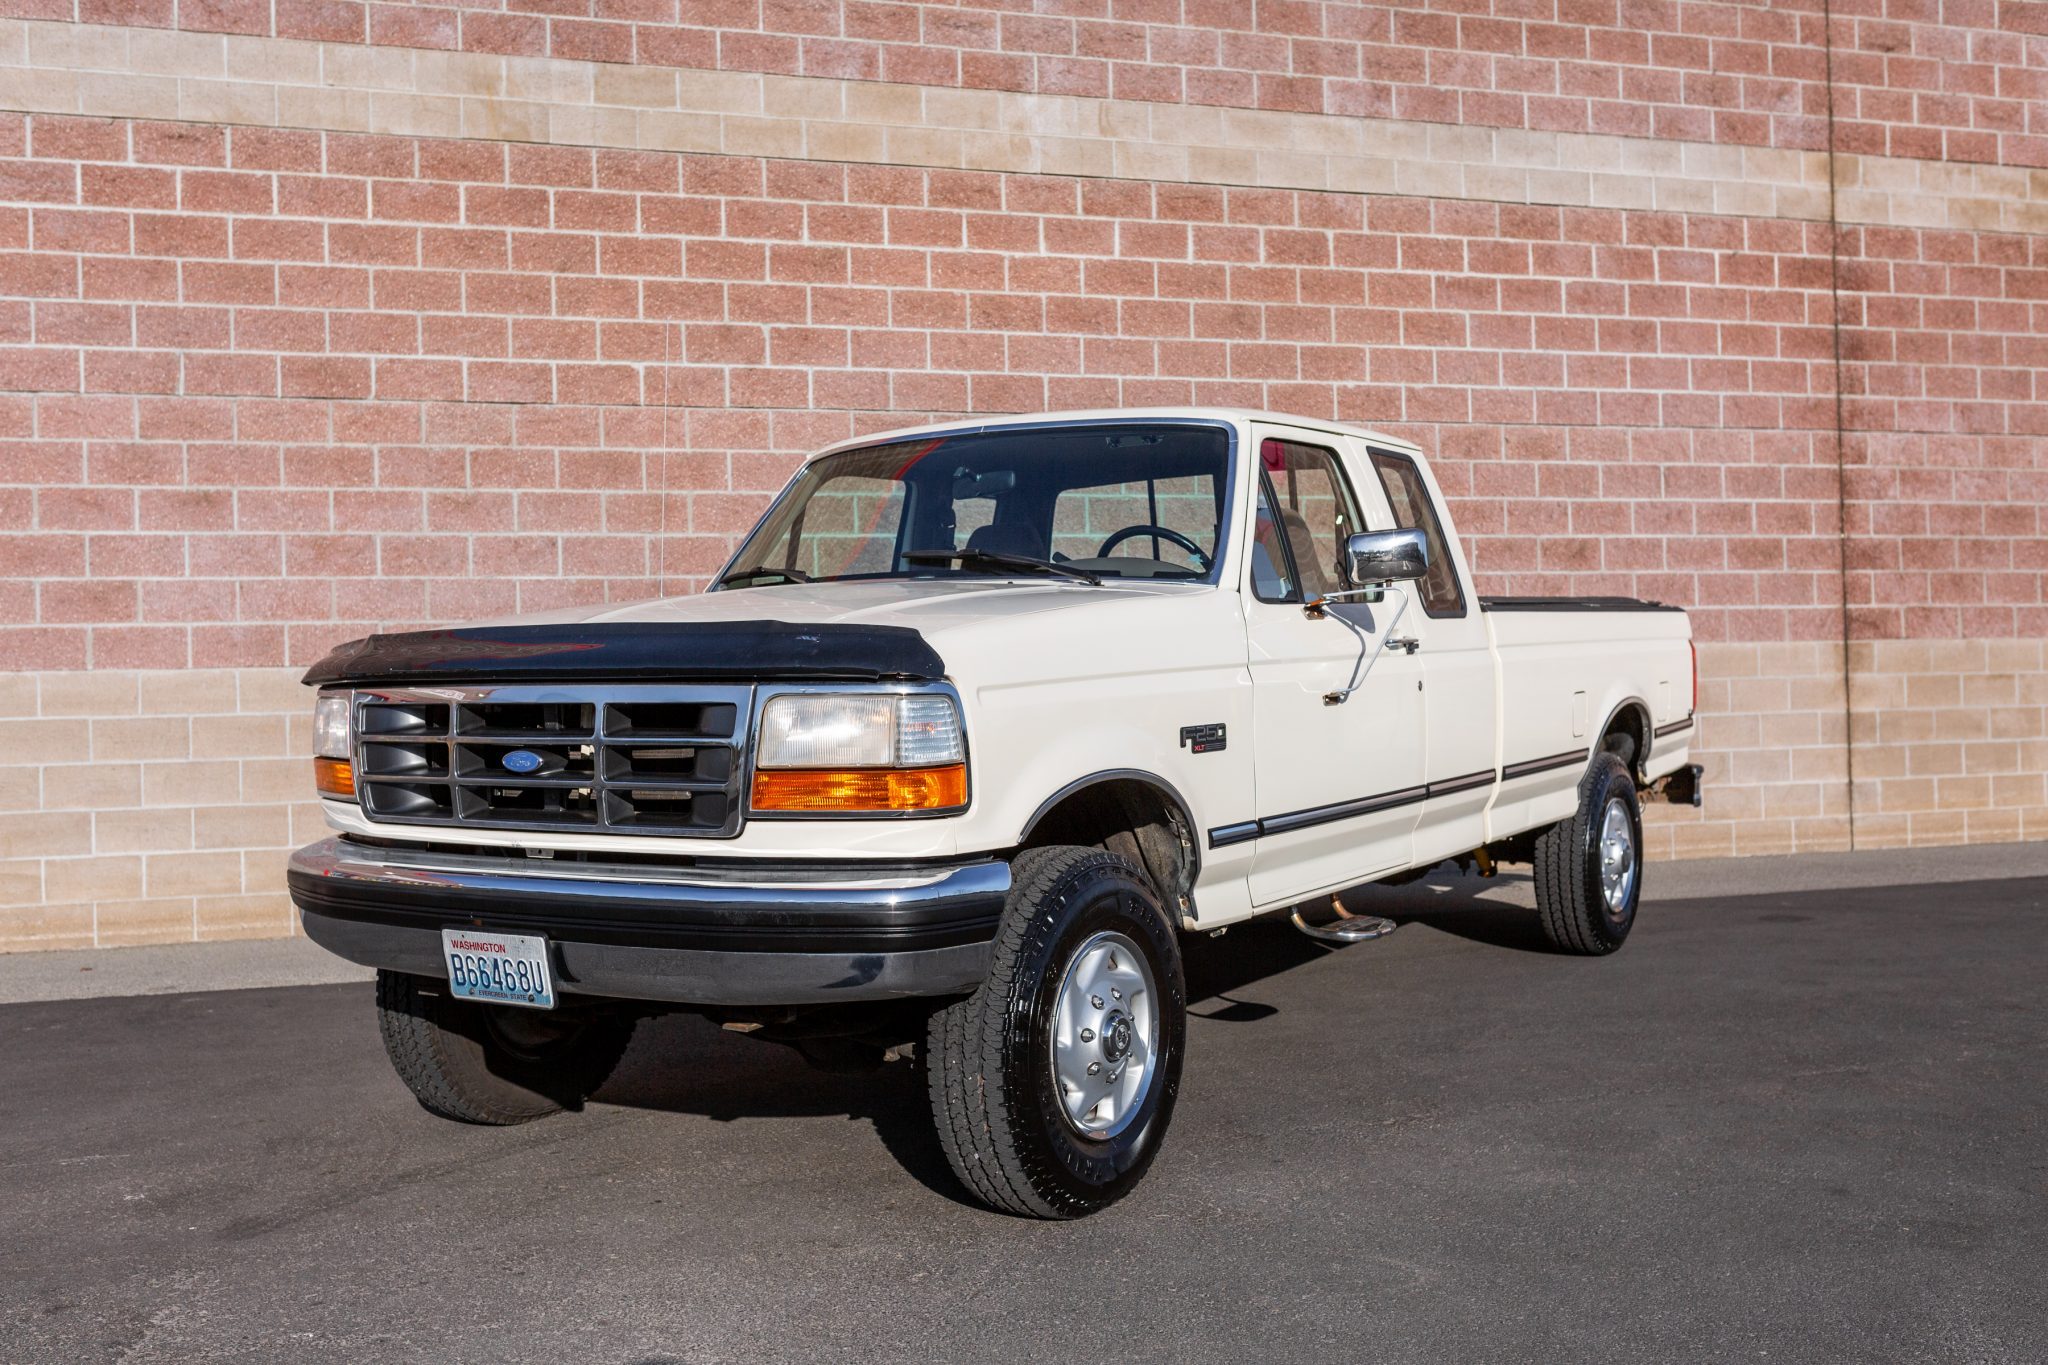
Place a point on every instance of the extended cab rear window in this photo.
(1413, 511)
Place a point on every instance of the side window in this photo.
(848, 527)
(1312, 510)
(1413, 510)
(1272, 578)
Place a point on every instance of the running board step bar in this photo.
(1347, 927)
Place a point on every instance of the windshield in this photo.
(1131, 500)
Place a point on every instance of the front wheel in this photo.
(1589, 867)
(495, 1064)
(1053, 1084)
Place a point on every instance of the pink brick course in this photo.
(459, 384)
(1945, 419)
(1953, 80)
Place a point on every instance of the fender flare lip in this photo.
(1166, 789)
(1096, 779)
(1621, 708)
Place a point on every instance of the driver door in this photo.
(1338, 787)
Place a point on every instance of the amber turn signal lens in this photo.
(861, 789)
(334, 777)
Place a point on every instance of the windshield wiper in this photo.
(751, 575)
(994, 559)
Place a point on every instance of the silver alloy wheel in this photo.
(1617, 858)
(1105, 1031)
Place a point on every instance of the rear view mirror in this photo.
(1386, 557)
(968, 484)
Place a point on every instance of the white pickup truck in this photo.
(977, 722)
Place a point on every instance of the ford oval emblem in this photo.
(523, 760)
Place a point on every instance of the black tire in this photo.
(1571, 898)
(495, 1064)
(988, 1058)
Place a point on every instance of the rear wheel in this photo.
(1589, 867)
(495, 1064)
(1053, 1084)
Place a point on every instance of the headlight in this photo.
(860, 751)
(330, 726)
(333, 774)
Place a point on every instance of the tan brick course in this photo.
(162, 846)
(1951, 738)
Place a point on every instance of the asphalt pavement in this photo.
(1806, 1125)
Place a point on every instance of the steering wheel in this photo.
(1163, 532)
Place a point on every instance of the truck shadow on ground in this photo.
(1489, 922)
(1497, 911)
(683, 1064)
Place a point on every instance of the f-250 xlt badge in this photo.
(1202, 739)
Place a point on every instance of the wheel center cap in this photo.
(1116, 1037)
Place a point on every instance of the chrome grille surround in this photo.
(627, 759)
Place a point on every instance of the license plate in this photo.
(504, 969)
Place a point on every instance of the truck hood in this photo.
(929, 606)
(854, 631)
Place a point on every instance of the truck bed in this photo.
(1568, 667)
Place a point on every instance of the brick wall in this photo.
(1690, 69)
(1960, 80)
(426, 404)
(298, 342)
(1950, 741)
(150, 806)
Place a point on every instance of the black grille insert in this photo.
(653, 760)
(527, 720)
(670, 720)
(700, 763)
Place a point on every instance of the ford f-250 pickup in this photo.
(975, 724)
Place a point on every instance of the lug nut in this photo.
(1087, 1035)
(1115, 993)
(1094, 1067)
(1095, 1000)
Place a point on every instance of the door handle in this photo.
(1406, 643)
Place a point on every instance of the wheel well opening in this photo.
(1628, 738)
(1132, 818)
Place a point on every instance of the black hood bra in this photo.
(620, 651)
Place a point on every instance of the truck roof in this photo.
(962, 425)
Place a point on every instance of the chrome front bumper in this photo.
(731, 933)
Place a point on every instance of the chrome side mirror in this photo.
(1386, 557)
